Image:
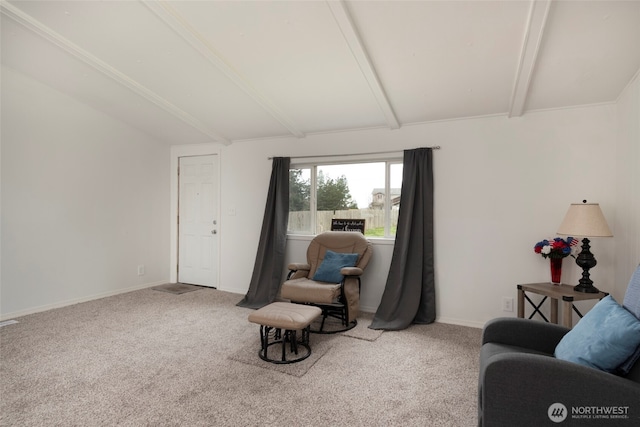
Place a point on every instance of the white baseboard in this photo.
(20, 313)
(448, 320)
(239, 291)
(460, 322)
(370, 310)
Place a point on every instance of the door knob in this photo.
(214, 231)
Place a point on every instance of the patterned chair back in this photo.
(632, 297)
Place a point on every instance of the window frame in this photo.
(304, 163)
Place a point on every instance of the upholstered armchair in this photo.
(534, 373)
(330, 279)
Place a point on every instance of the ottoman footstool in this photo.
(281, 321)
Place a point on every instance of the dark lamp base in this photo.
(586, 261)
(586, 289)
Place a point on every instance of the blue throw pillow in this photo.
(603, 339)
(329, 270)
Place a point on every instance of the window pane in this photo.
(395, 183)
(320, 193)
(348, 191)
(299, 197)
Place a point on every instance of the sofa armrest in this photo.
(525, 333)
(295, 266)
(351, 271)
(519, 388)
(298, 270)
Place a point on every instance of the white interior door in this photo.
(197, 222)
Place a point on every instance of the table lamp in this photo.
(585, 220)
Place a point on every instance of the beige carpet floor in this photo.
(149, 358)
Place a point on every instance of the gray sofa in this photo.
(521, 383)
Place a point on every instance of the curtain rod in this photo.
(435, 147)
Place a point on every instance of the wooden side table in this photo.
(555, 293)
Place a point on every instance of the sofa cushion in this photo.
(631, 299)
(603, 339)
(491, 349)
(631, 302)
(303, 289)
(329, 270)
(628, 364)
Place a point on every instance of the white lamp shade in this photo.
(584, 220)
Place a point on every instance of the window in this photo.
(319, 193)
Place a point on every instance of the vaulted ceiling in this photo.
(223, 71)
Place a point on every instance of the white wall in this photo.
(500, 186)
(85, 200)
(628, 185)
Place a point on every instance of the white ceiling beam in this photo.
(352, 37)
(76, 51)
(182, 27)
(534, 33)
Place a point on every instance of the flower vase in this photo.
(556, 270)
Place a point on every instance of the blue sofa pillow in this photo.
(329, 270)
(603, 339)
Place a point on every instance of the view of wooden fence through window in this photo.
(300, 222)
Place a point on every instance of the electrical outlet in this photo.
(141, 270)
(507, 304)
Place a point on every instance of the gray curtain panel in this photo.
(267, 270)
(409, 294)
